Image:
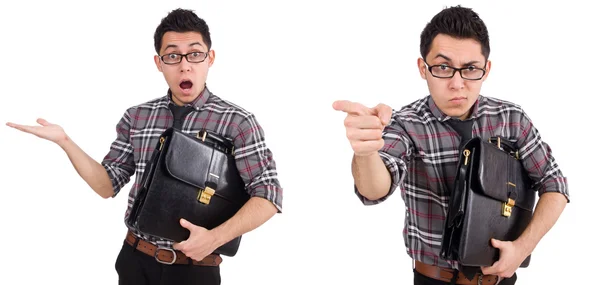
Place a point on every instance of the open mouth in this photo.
(186, 85)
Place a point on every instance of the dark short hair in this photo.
(458, 22)
(181, 21)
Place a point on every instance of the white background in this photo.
(82, 64)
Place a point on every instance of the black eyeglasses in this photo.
(192, 57)
(446, 71)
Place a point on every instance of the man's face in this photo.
(185, 79)
(454, 96)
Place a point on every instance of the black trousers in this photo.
(421, 279)
(135, 267)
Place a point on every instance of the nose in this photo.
(457, 82)
(184, 65)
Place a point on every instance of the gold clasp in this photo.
(203, 137)
(497, 141)
(162, 142)
(466, 152)
(507, 207)
(205, 195)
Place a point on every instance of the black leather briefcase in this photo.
(492, 198)
(190, 177)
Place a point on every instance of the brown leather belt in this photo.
(445, 274)
(168, 255)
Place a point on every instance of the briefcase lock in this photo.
(507, 207)
(205, 195)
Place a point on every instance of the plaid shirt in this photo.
(140, 127)
(421, 152)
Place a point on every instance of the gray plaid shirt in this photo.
(140, 127)
(421, 152)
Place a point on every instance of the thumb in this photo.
(497, 243)
(42, 122)
(384, 112)
(179, 245)
(186, 224)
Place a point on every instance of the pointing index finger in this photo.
(351, 107)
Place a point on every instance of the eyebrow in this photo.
(450, 60)
(176, 46)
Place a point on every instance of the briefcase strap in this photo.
(505, 145)
(168, 255)
(447, 274)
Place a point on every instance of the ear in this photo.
(422, 68)
(157, 62)
(211, 57)
(488, 67)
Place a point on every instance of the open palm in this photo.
(46, 130)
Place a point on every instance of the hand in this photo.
(48, 131)
(511, 257)
(364, 126)
(199, 245)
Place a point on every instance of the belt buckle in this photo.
(480, 280)
(168, 249)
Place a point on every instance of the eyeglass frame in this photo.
(454, 70)
(181, 56)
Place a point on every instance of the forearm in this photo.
(91, 171)
(253, 214)
(371, 177)
(547, 212)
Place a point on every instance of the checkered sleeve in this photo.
(119, 163)
(395, 152)
(538, 160)
(255, 162)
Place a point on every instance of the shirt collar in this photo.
(440, 116)
(197, 103)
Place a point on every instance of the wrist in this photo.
(524, 247)
(216, 238)
(64, 141)
(366, 156)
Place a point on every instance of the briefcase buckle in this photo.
(205, 195)
(202, 137)
(507, 207)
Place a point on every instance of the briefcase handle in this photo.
(505, 144)
(217, 140)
